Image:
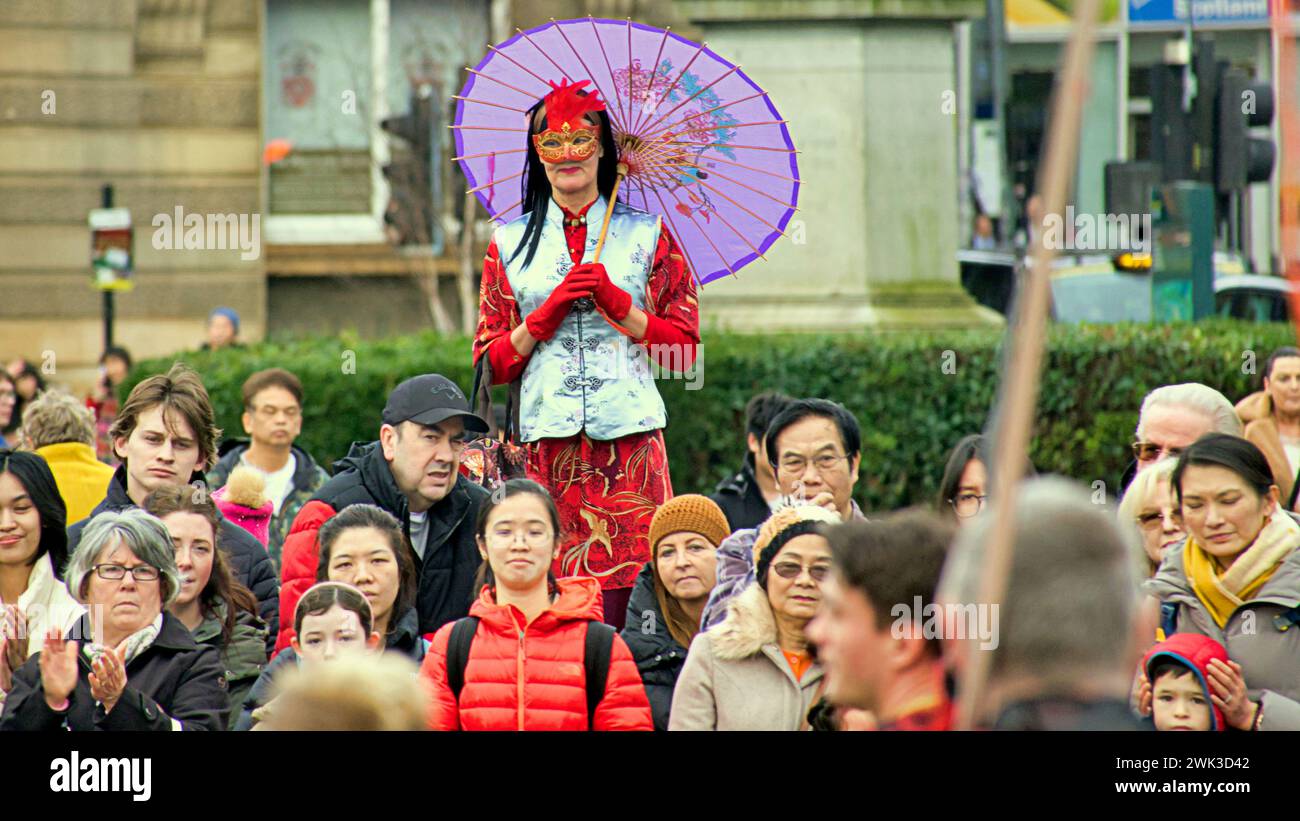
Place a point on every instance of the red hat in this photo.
(1194, 651)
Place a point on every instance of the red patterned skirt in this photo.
(607, 493)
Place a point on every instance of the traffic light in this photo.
(1128, 189)
(1241, 159)
(1204, 111)
(1171, 140)
(409, 216)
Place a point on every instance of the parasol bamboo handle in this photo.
(613, 198)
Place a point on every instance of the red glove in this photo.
(543, 322)
(613, 300)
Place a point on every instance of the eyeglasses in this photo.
(117, 572)
(1151, 521)
(532, 538)
(271, 411)
(790, 570)
(1150, 451)
(967, 505)
(796, 466)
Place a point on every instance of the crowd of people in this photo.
(455, 574)
(205, 586)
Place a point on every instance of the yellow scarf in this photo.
(1223, 593)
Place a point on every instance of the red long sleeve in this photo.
(672, 307)
(498, 315)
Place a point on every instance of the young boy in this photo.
(1180, 695)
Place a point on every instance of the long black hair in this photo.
(536, 187)
(513, 487)
(35, 476)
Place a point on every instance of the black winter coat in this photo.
(741, 500)
(451, 558)
(175, 679)
(406, 638)
(249, 561)
(659, 657)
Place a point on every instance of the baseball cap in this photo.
(429, 399)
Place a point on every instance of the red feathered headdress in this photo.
(566, 105)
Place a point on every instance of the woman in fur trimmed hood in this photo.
(754, 670)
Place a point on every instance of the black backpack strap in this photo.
(599, 647)
(458, 644)
(1169, 618)
(481, 393)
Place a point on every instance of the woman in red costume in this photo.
(580, 335)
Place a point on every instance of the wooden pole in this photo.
(1019, 389)
(613, 198)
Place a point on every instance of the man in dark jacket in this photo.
(272, 418)
(165, 435)
(413, 472)
(746, 497)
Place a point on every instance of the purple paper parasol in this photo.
(704, 146)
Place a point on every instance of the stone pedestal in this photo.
(869, 89)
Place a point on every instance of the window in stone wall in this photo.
(318, 89)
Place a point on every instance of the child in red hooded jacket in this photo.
(1178, 669)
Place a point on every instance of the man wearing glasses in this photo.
(273, 401)
(1173, 417)
(413, 472)
(814, 448)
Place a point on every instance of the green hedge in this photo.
(911, 407)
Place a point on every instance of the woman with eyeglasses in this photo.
(1149, 504)
(129, 664)
(1236, 579)
(963, 490)
(755, 671)
(519, 660)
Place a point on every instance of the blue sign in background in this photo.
(1202, 11)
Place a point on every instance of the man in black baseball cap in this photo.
(429, 399)
(413, 472)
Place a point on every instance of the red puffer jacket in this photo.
(533, 679)
(299, 558)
